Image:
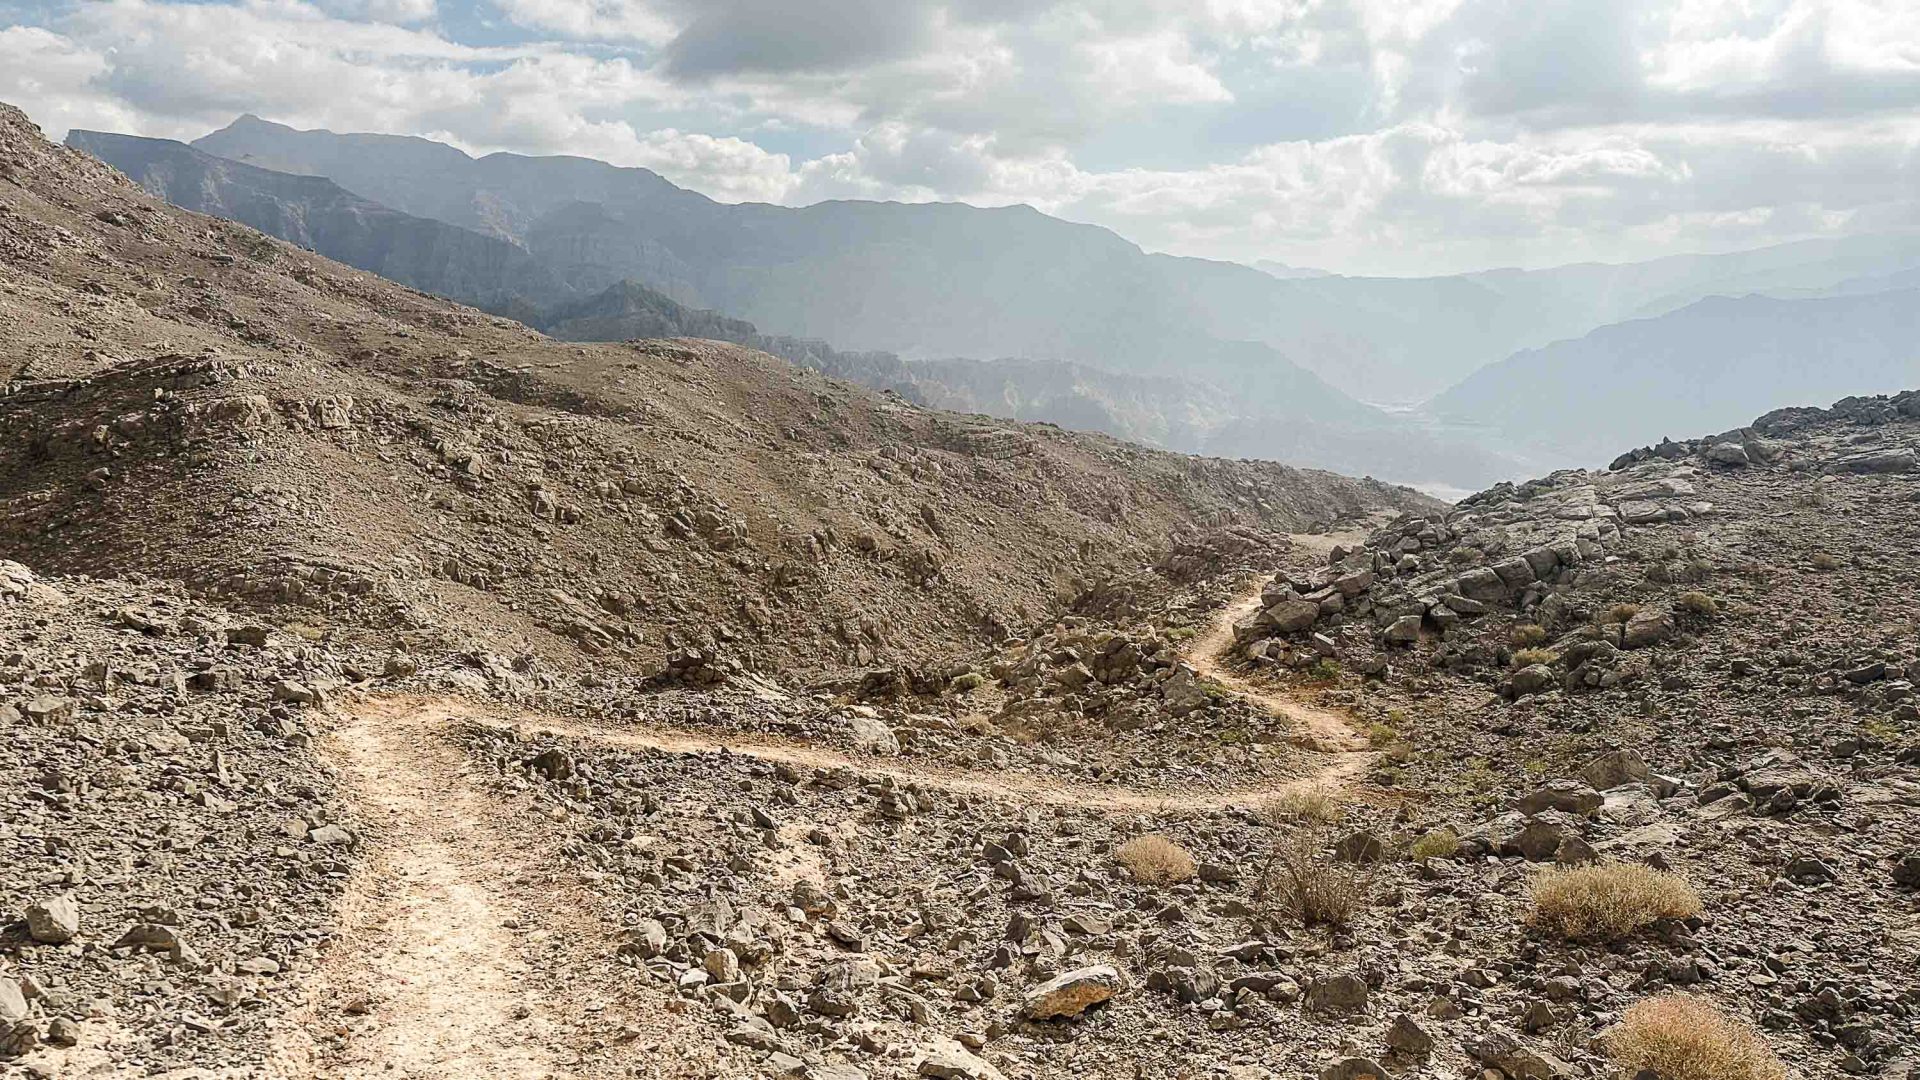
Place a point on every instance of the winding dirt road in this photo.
(1321, 729)
(468, 950)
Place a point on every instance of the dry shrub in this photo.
(1697, 603)
(1313, 805)
(1527, 635)
(1620, 613)
(1608, 900)
(1301, 884)
(1681, 1037)
(1530, 657)
(1440, 843)
(1156, 860)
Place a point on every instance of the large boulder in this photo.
(1614, 768)
(1071, 993)
(1293, 616)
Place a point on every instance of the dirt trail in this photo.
(455, 923)
(1019, 787)
(1322, 729)
(425, 922)
(452, 924)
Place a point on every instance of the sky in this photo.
(1402, 137)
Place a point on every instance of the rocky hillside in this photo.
(387, 690)
(288, 430)
(1700, 660)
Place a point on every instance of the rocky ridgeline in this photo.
(172, 843)
(1530, 549)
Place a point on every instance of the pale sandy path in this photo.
(457, 914)
(1320, 728)
(468, 949)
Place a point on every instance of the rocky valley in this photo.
(388, 689)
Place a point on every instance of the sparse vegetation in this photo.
(1697, 603)
(1325, 669)
(1156, 860)
(1440, 843)
(1619, 613)
(1302, 806)
(1681, 1037)
(1528, 657)
(1528, 635)
(1300, 884)
(1607, 901)
(1379, 735)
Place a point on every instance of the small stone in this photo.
(1407, 1037)
(54, 922)
(1337, 994)
(1354, 1068)
(957, 1065)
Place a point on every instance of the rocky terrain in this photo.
(387, 690)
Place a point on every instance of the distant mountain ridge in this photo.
(942, 279)
(1170, 351)
(316, 213)
(1276, 409)
(1706, 366)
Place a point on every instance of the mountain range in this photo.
(1190, 354)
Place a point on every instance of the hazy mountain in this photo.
(316, 213)
(942, 279)
(1401, 340)
(1265, 420)
(1706, 367)
(1274, 409)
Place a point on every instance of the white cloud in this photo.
(602, 20)
(1459, 132)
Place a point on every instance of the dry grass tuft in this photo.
(1619, 613)
(1528, 635)
(1681, 1037)
(1608, 900)
(1156, 860)
(1530, 657)
(1301, 884)
(1302, 806)
(1440, 843)
(1697, 603)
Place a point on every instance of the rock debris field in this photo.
(387, 691)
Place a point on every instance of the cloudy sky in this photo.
(1365, 136)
